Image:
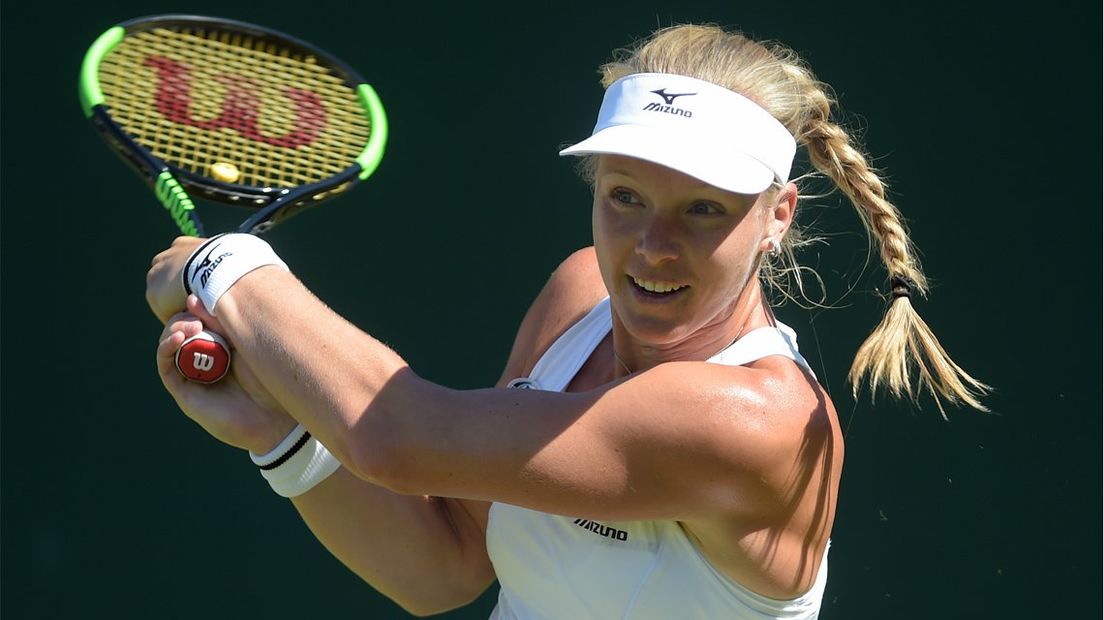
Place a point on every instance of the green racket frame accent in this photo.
(90, 93)
(176, 202)
(369, 159)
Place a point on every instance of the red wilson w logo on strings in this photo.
(241, 105)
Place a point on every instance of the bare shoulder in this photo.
(762, 419)
(787, 439)
(796, 399)
(572, 290)
(795, 426)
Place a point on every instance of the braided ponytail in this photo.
(902, 341)
(774, 77)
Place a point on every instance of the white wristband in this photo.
(297, 464)
(221, 261)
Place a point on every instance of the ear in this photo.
(782, 212)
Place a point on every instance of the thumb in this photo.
(210, 322)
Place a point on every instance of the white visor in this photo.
(694, 127)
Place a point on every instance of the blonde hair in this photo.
(774, 77)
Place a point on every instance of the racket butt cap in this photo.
(203, 358)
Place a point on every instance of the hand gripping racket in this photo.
(233, 113)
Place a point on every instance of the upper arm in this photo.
(681, 440)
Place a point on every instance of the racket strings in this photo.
(198, 97)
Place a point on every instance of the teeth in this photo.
(656, 287)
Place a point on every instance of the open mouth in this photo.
(656, 290)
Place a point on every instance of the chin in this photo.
(654, 329)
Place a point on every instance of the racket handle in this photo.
(203, 358)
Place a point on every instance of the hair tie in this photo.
(901, 286)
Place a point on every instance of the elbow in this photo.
(383, 471)
(393, 469)
(390, 443)
(452, 583)
(419, 609)
(372, 457)
(444, 599)
(424, 609)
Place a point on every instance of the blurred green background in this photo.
(116, 505)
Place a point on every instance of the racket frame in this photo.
(172, 184)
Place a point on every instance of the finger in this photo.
(184, 322)
(173, 337)
(196, 307)
(184, 240)
(167, 348)
(160, 256)
(166, 362)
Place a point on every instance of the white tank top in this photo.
(551, 566)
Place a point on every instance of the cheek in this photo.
(595, 222)
(602, 245)
(613, 227)
(734, 265)
(612, 234)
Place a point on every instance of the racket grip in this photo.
(203, 358)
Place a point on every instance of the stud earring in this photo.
(775, 248)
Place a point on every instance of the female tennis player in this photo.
(657, 447)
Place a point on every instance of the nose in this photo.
(658, 241)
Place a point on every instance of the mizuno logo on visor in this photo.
(669, 99)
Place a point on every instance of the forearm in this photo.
(301, 359)
(321, 368)
(426, 554)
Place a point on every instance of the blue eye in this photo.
(705, 208)
(623, 195)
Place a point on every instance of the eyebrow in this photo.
(697, 183)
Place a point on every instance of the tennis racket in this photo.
(232, 113)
